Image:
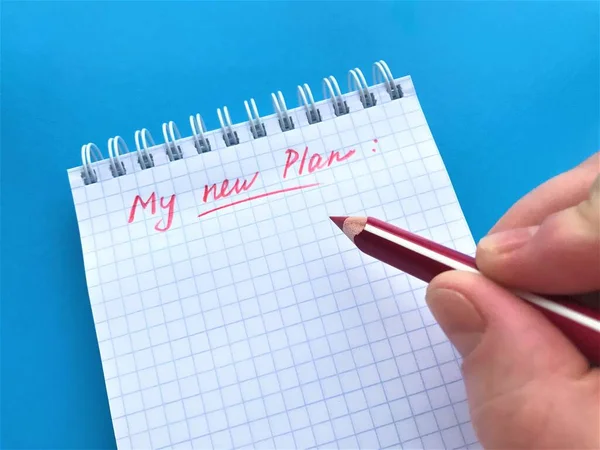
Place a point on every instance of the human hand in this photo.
(527, 385)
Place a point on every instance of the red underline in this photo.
(280, 191)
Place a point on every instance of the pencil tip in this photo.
(339, 221)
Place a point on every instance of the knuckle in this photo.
(523, 416)
(592, 163)
(589, 209)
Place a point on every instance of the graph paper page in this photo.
(235, 314)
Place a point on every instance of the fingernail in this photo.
(507, 241)
(458, 318)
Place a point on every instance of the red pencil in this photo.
(425, 259)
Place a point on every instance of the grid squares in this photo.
(262, 326)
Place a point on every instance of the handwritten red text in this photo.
(168, 206)
(315, 161)
(224, 191)
(298, 162)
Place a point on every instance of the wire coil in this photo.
(332, 94)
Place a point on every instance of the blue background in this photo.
(510, 91)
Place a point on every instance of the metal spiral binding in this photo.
(381, 68)
(145, 158)
(88, 174)
(117, 147)
(286, 123)
(366, 98)
(174, 151)
(230, 137)
(340, 107)
(305, 97)
(256, 126)
(117, 168)
(198, 129)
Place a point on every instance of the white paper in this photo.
(260, 325)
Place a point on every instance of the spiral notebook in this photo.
(230, 312)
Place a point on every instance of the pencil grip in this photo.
(586, 339)
(578, 322)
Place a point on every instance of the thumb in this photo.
(512, 358)
(560, 256)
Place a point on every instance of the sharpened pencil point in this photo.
(339, 221)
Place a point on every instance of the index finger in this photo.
(563, 191)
